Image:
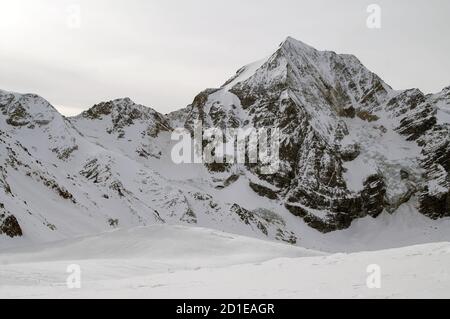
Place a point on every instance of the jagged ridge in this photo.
(351, 147)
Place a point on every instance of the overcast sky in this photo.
(162, 53)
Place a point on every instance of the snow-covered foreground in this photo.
(183, 262)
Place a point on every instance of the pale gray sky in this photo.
(162, 53)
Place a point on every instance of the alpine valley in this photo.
(363, 167)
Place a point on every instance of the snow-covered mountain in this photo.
(352, 147)
(107, 168)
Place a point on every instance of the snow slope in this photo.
(180, 262)
(108, 168)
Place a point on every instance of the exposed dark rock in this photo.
(263, 191)
(366, 116)
(119, 188)
(189, 217)
(350, 152)
(96, 172)
(60, 190)
(18, 117)
(414, 128)
(249, 218)
(349, 112)
(312, 221)
(3, 183)
(435, 189)
(435, 206)
(65, 153)
(404, 174)
(9, 224)
(113, 222)
(231, 180)
(288, 237)
(218, 167)
(374, 195)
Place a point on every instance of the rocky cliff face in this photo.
(350, 147)
(108, 167)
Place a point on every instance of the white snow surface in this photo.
(182, 262)
(442, 102)
(382, 150)
(443, 114)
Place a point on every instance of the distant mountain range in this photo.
(351, 147)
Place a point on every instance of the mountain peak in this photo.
(292, 41)
(122, 113)
(293, 45)
(317, 77)
(126, 100)
(117, 107)
(446, 89)
(26, 109)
